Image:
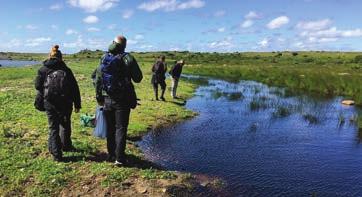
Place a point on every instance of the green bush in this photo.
(358, 59)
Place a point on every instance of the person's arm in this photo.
(172, 70)
(165, 66)
(136, 73)
(98, 86)
(39, 81)
(75, 91)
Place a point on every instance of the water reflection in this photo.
(264, 143)
(17, 63)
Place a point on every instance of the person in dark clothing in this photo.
(116, 110)
(59, 113)
(175, 73)
(158, 77)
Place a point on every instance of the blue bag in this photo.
(101, 126)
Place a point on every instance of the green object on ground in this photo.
(87, 120)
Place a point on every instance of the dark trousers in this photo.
(59, 123)
(117, 118)
(163, 88)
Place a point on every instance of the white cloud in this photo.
(56, 7)
(278, 22)
(71, 32)
(55, 27)
(329, 35)
(93, 29)
(146, 47)
(247, 24)
(215, 30)
(264, 43)
(31, 27)
(91, 19)
(191, 4)
(252, 15)
(170, 5)
(93, 5)
(224, 44)
(126, 14)
(37, 41)
(221, 29)
(112, 26)
(132, 42)
(139, 37)
(90, 43)
(76, 44)
(314, 25)
(249, 19)
(14, 43)
(220, 13)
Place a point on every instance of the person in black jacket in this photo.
(59, 113)
(175, 73)
(158, 77)
(116, 107)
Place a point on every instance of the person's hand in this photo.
(77, 110)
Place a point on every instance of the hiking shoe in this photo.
(111, 158)
(118, 163)
(58, 158)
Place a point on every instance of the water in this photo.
(264, 144)
(17, 63)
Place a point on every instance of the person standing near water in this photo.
(115, 91)
(175, 73)
(158, 77)
(56, 82)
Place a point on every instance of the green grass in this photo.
(26, 167)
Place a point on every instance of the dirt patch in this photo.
(183, 186)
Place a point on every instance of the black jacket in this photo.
(53, 64)
(176, 70)
(158, 72)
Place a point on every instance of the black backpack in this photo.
(116, 84)
(56, 87)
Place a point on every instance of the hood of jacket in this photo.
(115, 48)
(52, 63)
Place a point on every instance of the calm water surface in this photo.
(263, 143)
(17, 63)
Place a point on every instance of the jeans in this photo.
(59, 123)
(117, 118)
(174, 86)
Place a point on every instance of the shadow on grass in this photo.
(178, 102)
(131, 161)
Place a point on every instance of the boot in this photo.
(156, 93)
(162, 93)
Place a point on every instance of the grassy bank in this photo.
(26, 168)
(325, 73)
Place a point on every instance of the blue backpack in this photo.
(116, 81)
(110, 77)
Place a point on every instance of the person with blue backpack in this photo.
(115, 92)
(57, 92)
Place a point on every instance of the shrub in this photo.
(358, 59)
(295, 53)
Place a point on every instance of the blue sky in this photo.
(194, 25)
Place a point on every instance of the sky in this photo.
(182, 25)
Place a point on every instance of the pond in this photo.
(263, 142)
(17, 63)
